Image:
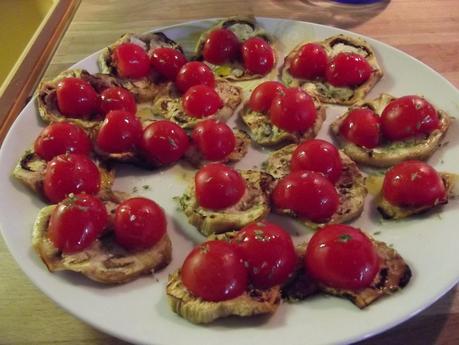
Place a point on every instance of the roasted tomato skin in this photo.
(214, 140)
(194, 73)
(310, 62)
(201, 101)
(258, 56)
(76, 98)
(348, 70)
(221, 46)
(117, 98)
(362, 127)
(131, 61)
(263, 95)
(167, 62)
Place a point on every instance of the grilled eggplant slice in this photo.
(104, 261)
(253, 206)
(350, 186)
(326, 92)
(196, 310)
(391, 153)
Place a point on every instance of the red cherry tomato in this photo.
(319, 156)
(263, 95)
(62, 137)
(308, 194)
(310, 62)
(120, 132)
(218, 186)
(76, 222)
(167, 62)
(341, 257)
(408, 116)
(413, 184)
(221, 46)
(70, 173)
(215, 140)
(293, 111)
(194, 73)
(348, 69)
(117, 98)
(139, 223)
(164, 142)
(362, 127)
(131, 61)
(214, 271)
(76, 98)
(200, 101)
(258, 56)
(269, 253)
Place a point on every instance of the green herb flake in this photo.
(344, 238)
(146, 187)
(377, 233)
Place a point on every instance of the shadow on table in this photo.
(330, 13)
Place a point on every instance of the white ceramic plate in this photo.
(139, 312)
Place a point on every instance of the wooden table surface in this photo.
(426, 29)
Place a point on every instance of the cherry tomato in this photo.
(269, 253)
(194, 73)
(362, 127)
(76, 98)
(117, 98)
(310, 62)
(214, 271)
(258, 56)
(70, 173)
(308, 194)
(120, 132)
(167, 62)
(413, 184)
(200, 101)
(76, 222)
(139, 223)
(131, 61)
(293, 111)
(262, 96)
(218, 186)
(221, 46)
(215, 140)
(62, 137)
(342, 257)
(164, 142)
(408, 116)
(348, 69)
(320, 156)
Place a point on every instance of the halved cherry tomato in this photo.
(293, 111)
(214, 271)
(408, 116)
(200, 101)
(258, 56)
(120, 132)
(218, 186)
(62, 137)
(413, 184)
(164, 142)
(131, 61)
(76, 98)
(342, 257)
(319, 156)
(221, 46)
(70, 173)
(167, 62)
(117, 98)
(194, 73)
(362, 127)
(269, 252)
(215, 140)
(348, 69)
(310, 62)
(308, 194)
(263, 95)
(139, 223)
(77, 222)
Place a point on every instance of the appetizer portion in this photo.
(223, 199)
(389, 130)
(317, 184)
(276, 115)
(339, 70)
(237, 49)
(111, 243)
